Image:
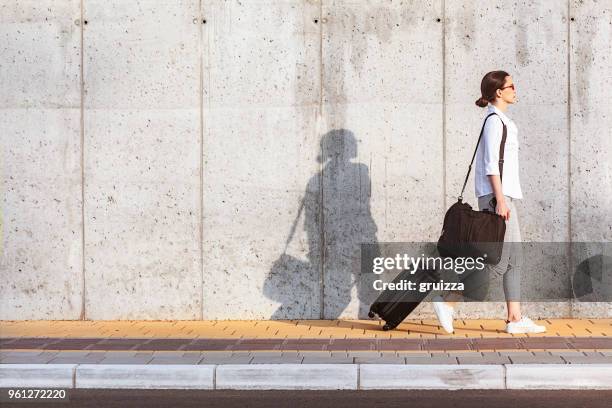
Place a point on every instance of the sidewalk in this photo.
(297, 354)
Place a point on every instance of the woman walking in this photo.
(498, 92)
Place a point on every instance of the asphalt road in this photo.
(323, 399)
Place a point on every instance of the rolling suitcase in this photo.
(393, 306)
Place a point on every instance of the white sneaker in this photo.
(525, 325)
(444, 313)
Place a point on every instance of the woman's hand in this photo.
(502, 210)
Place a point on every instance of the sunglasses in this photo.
(509, 86)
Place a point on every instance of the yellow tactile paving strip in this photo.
(281, 329)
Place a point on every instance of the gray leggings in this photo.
(511, 261)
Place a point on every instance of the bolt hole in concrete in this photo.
(203, 21)
(85, 22)
(438, 20)
(316, 21)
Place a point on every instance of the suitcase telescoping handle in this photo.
(501, 155)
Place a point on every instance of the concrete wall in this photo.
(155, 155)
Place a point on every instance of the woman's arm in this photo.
(501, 207)
(492, 139)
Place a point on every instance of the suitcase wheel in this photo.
(386, 327)
(371, 314)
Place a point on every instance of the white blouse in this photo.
(487, 156)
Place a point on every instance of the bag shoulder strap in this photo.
(501, 153)
(502, 146)
(292, 231)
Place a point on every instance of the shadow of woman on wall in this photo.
(337, 220)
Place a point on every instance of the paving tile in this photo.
(593, 353)
(304, 346)
(514, 353)
(306, 340)
(464, 353)
(588, 359)
(38, 343)
(307, 347)
(268, 353)
(209, 345)
(271, 342)
(352, 344)
(120, 342)
(277, 360)
(169, 353)
(380, 360)
(76, 359)
(327, 360)
(537, 358)
(216, 353)
(491, 354)
(164, 344)
(309, 329)
(37, 353)
(304, 335)
(74, 353)
(591, 343)
(484, 360)
(367, 354)
(452, 344)
(413, 354)
(175, 360)
(32, 353)
(126, 360)
(226, 360)
(242, 353)
(568, 353)
(112, 347)
(545, 343)
(496, 344)
(120, 354)
(315, 352)
(290, 353)
(437, 353)
(255, 347)
(75, 344)
(431, 360)
(400, 344)
(39, 359)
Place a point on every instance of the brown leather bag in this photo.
(470, 233)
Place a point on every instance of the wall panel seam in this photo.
(569, 149)
(201, 214)
(321, 179)
(444, 106)
(83, 314)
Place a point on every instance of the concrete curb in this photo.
(145, 376)
(308, 376)
(549, 376)
(287, 376)
(439, 376)
(37, 375)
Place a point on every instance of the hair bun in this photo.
(482, 102)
